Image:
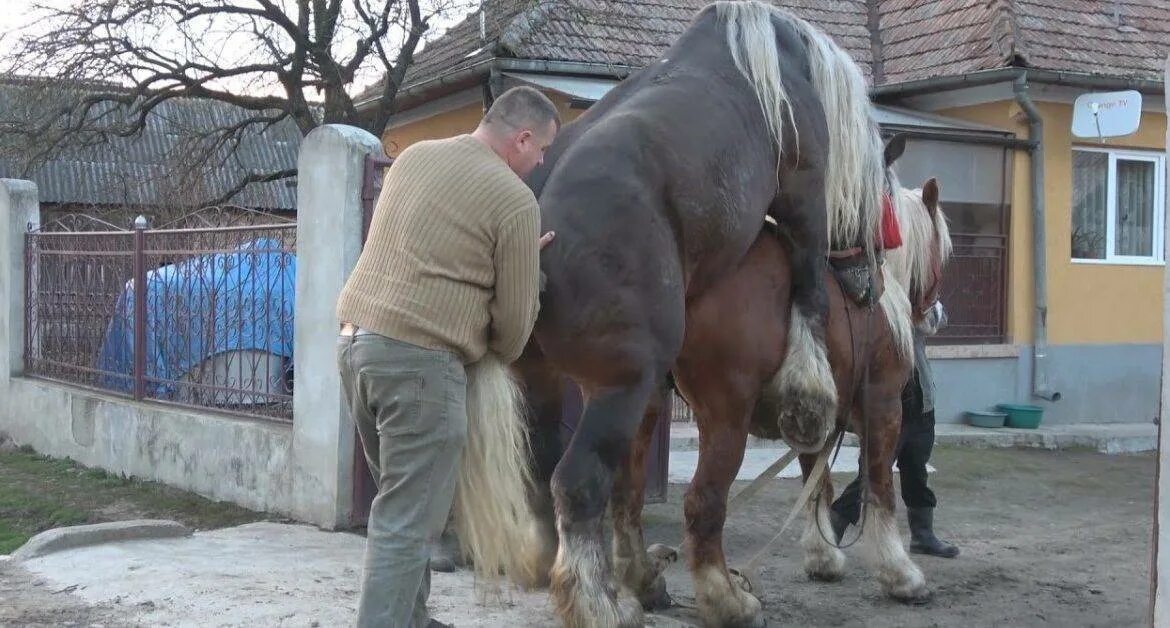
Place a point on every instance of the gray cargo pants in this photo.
(409, 405)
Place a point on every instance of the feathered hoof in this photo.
(540, 555)
(655, 596)
(629, 612)
(909, 588)
(825, 566)
(915, 598)
(741, 609)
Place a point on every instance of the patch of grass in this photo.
(38, 493)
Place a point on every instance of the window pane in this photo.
(1135, 208)
(1090, 182)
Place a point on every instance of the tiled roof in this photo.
(916, 39)
(616, 32)
(923, 39)
(1085, 36)
(634, 33)
(461, 46)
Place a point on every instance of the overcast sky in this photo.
(17, 14)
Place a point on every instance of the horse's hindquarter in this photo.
(655, 195)
(649, 206)
(740, 327)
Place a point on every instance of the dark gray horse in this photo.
(656, 194)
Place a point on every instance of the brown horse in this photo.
(656, 194)
(735, 343)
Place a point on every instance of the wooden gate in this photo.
(364, 486)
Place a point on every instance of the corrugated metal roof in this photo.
(144, 169)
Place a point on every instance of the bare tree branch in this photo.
(254, 178)
(108, 67)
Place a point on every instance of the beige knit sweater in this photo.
(451, 261)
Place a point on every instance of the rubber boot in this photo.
(922, 538)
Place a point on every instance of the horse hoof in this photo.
(918, 598)
(629, 613)
(741, 580)
(655, 597)
(661, 556)
(824, 576)
(912, 595)
(825, 566)
(743, 610)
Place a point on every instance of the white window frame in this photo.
(1159, 248)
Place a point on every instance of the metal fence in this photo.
(974, 291)
(199, 317)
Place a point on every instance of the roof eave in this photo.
(988, 77)
(418, 93)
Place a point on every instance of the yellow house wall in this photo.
(1087, 303)
(453, 122)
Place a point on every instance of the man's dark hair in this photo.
(522, 108)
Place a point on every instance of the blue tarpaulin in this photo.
(199, 308)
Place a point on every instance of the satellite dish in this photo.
(1107, 114)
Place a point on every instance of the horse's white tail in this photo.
(491, 503)
(854, 167)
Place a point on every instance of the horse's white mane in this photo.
(910, 263)
(854, 167)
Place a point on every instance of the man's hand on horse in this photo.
(546, 238)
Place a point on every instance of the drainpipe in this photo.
(1040, 386)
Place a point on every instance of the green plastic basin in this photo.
(985, 418)
(1022, 416)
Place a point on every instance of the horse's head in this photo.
(926, 243)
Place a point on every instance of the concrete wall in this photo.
(973, 383)
(303, 469)
(223, 458)
(1099, 383)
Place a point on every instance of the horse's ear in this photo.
(930, 196)
(894, 148)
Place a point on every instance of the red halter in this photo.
(891, 233)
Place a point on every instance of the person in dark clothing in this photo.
(915, 445)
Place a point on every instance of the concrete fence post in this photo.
(329, 225)
(20, 210)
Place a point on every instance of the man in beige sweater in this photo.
(450, 271)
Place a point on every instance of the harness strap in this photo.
(750, 573)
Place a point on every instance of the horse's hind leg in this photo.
(900, 578)
(639, 571)
(583, 588)
(722, 439)
(805, 381)
(822, 560)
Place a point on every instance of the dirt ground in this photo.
(1048, 539)
(38, 493)
(29, 601)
